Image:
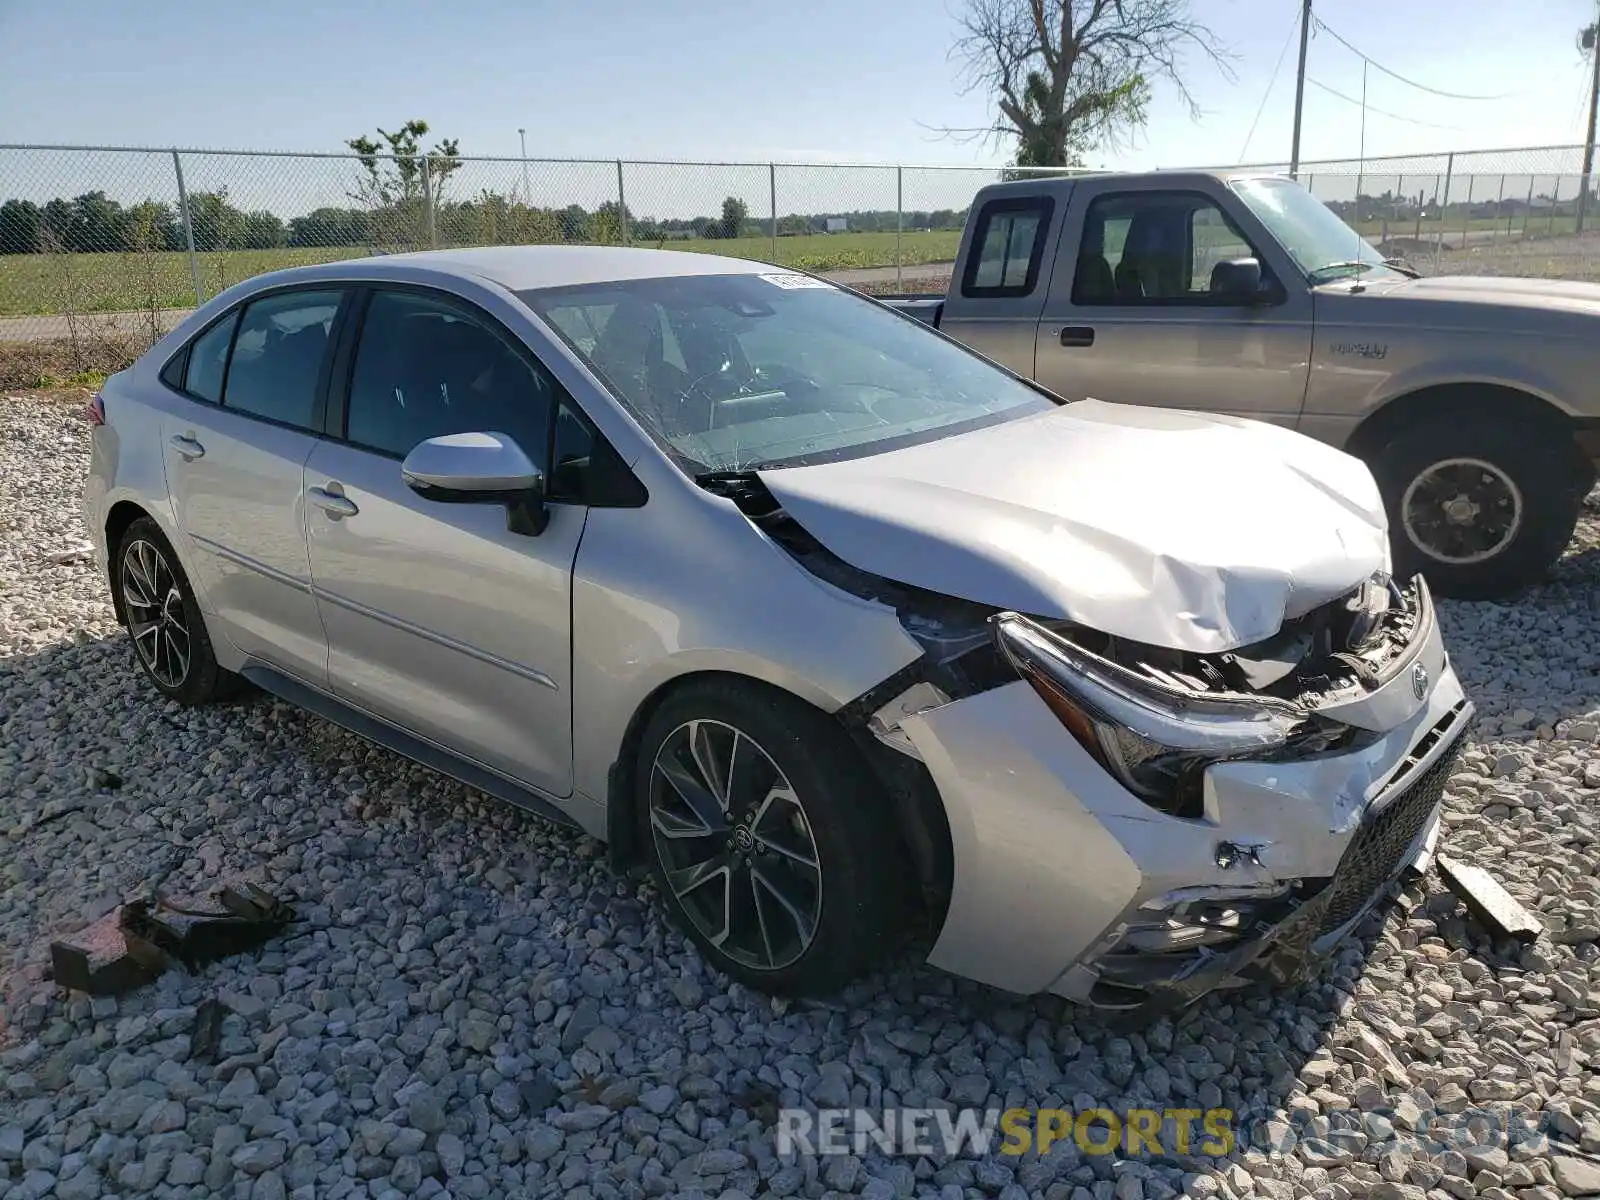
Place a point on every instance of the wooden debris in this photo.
(134, 944)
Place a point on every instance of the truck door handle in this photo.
(1077, 335)
(185, 445)
(335, 503)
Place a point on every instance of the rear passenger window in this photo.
(277, 357)
(1007, 247)
(208, 360)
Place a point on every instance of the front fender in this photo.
(696, 588)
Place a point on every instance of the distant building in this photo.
(838, 224)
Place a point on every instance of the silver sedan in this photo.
(848, 635)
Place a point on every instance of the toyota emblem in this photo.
(1419, 681)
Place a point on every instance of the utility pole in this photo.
(527, 192)
(1590, 40)
(1300, 88)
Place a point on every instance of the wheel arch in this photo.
(119, 517)
(1442, 401)
(919, 821)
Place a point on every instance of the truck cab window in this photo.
(1153, 248)
(1007, 246)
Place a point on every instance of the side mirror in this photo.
(480, 468)
(1240, 281)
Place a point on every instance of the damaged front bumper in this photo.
(1064, 882)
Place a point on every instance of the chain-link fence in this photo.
(103, 247)
(1480, 212)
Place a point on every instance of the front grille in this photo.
(1374, 854)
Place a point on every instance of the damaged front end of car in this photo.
(1132, 826)
(1338, 698)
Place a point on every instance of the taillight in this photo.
(95, 411)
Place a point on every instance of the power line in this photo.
(1381, 112)
(1267, 95)
(1421, 87)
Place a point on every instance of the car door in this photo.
(235, 455)
(1132, 318)
(440, 619)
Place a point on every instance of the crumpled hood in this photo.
(1172, 528)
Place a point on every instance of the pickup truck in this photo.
(1474, 401)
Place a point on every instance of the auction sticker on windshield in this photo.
(796, 281)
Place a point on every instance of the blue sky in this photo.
(825, 79)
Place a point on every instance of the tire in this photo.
(1480, 505)
(159, 609)
(707, 857)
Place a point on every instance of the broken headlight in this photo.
(1154, 739)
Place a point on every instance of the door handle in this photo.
(335, 503)
(1077, 335)
(185, 445)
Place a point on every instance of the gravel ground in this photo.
(475, 1006)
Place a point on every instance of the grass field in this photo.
(42, 284)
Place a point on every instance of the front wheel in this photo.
(1480, 506)
(765, 838)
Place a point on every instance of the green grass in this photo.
(43, 284)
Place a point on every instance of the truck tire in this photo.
(1480, 505)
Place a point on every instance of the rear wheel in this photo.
(768, 845)
(1480, 506)
(170, 642)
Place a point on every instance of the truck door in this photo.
(1131, 315)
(995, 303)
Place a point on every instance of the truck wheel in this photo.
(1481, 506)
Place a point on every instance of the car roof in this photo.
(520, 267)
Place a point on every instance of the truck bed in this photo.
(924, 307)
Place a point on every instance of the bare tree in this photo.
(1067, 75)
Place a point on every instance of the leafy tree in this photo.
(394, 175)
(152, 225)
(19, 227)
(607, 224)
(574, 220)
(734, 212)
(217, 225)
(330, 227)
(1068, 75)
(264, 231)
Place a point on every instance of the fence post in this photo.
(622, 208)
(427, 204)
(1555, 203)
(772, 206)
(899, 225)
(1499, 207)
(188, 229)
(1527, 213)
(1466, 225)
(1444, 209)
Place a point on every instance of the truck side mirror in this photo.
(1240, 281)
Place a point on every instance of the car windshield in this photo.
(1321, 244)
(735, 372)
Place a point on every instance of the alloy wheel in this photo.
(154, 605)
(1462, 511)
(735, 845)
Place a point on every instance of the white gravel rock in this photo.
(474, 1005)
